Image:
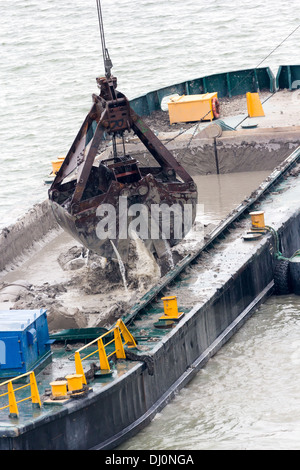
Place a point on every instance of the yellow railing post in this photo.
(13, 408)
(129, 339)
(104, 364)
(119, 331)
(35, 396)
(78, 366)
(120, 353)
(12, 402)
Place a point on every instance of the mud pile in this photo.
(92, 292)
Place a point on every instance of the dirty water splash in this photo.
(146, 267)
(121, 265)
(87, 257)
(168, 252)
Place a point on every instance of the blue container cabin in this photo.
(24, 341)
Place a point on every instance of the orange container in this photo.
(191, 108)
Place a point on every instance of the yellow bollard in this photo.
(59, 388)
(258, 219)
(56, 164)
(254, 105)
(75, 382)
(170, 308)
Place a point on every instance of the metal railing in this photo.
(119, 331)
(12, 402)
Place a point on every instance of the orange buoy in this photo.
(215, 107)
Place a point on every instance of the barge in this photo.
(92, 388)
(226, 280)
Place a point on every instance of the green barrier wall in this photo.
(288, 76)
(226, 84)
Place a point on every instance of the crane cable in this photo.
(106, 58)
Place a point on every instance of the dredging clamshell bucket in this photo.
(105, 203)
